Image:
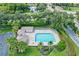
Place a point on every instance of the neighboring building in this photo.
(21, 34)
(27, 29)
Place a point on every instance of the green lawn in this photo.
(31, 51)
(57, 53)
(3, 7)
(4, 30)
(77, 50)
(73, 9)
(73, 48)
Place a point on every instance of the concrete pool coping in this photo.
(31, 36)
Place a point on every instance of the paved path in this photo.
(3, 44)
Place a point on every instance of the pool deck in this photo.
(31, 36)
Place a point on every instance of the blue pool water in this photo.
(44, 37)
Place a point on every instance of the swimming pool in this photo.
(44, 37)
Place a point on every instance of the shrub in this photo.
(61, 46)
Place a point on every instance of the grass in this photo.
(74, 49)
(73, 9)
(77, 50)
(33, 51)
(57, 53)
(3, 7)
(70, 44)
(4, 30)
(71, 49)
(30, 51)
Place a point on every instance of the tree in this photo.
(18, 7)
(61, 46)
(77, 15)
(60, 20)
(57, 21)
(41, 7)
(15, 26)
(21, 47)
(12, 45)
(16, 47)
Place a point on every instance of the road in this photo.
(72, 35)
